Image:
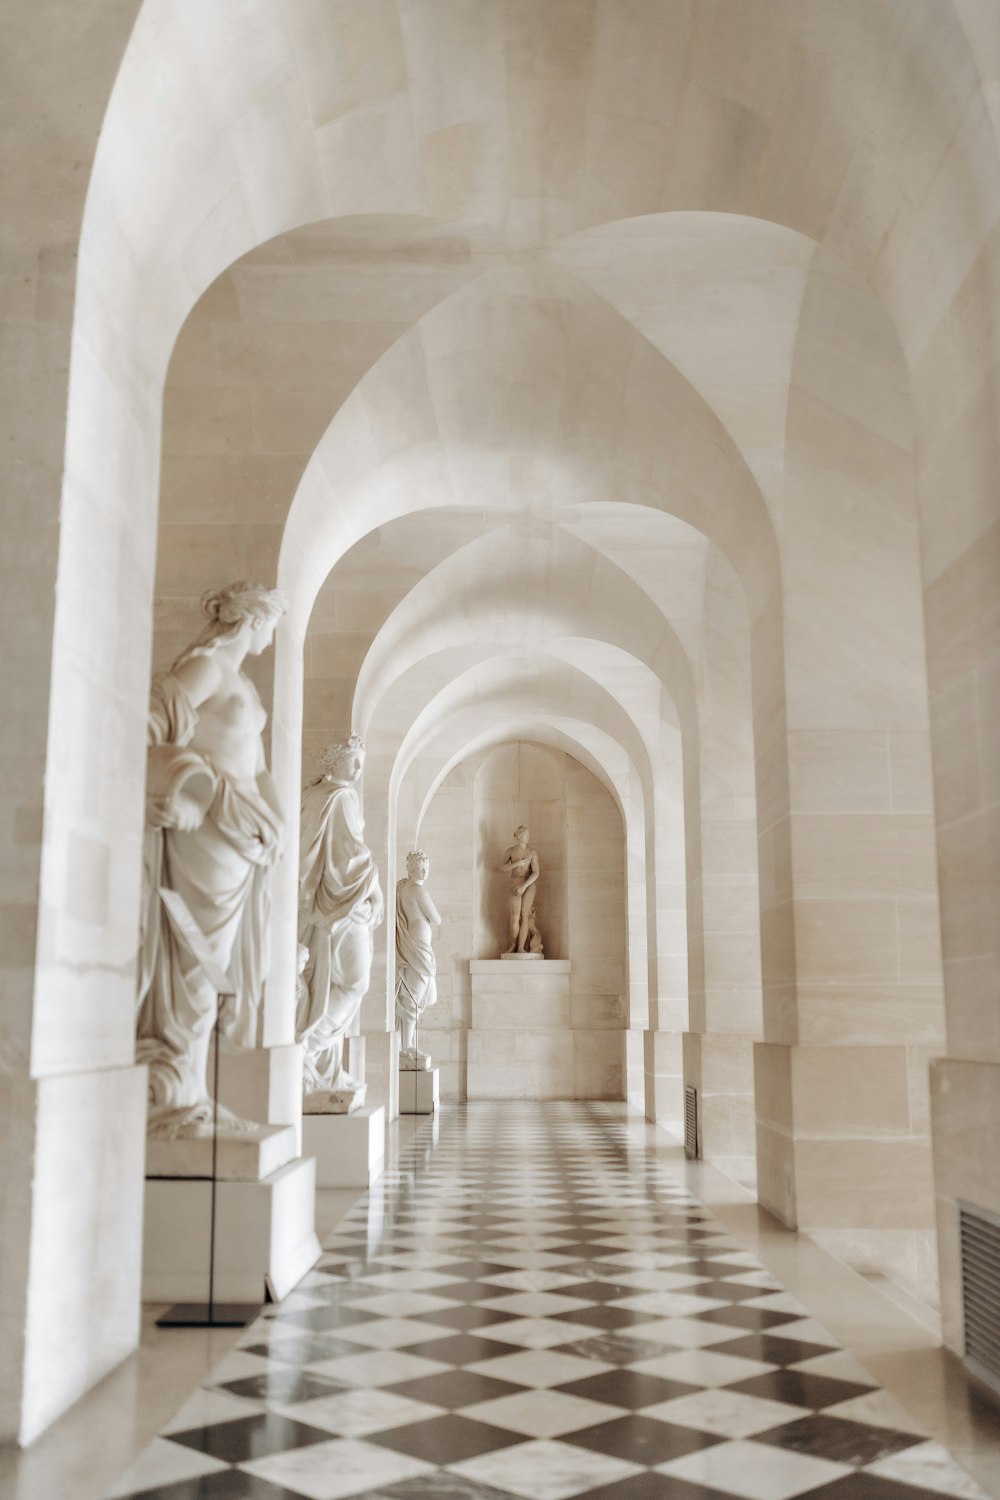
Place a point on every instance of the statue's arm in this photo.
(378, 903)
(199, 678)
(532, 873)
(429, 910)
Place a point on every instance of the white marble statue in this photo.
(340, 905)
(213, 829)
(521, 863)
(417, 921)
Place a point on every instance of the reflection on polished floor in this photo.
(532, 1304)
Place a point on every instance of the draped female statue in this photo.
(340, 905)
(213, 829)
(416, 968)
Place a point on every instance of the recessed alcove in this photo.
(520, 784)
(580, 838)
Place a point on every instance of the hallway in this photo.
(530, 1303)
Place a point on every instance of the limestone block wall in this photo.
(505, 784)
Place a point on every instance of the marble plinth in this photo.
(335, 1101)
(413, 1061)
(523, 1044)
(520, 958)
(239, 1158)
(265, 1236)
(419, 1091)
(349, 1149)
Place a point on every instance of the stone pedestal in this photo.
(521, 1043)
(265, 1237)
(262, 1083)
(419, 1090)
(238, 1158)
(349, 1149)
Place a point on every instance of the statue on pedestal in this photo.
(522, 863)
(416, 969)
(213, 829)
(340, 905)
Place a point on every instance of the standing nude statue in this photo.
(417, 921)
(522, 862)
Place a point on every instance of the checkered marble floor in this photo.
(529, 1305)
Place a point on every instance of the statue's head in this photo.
(521, 834)
(243, 606)
(345, 760)
(417, 865)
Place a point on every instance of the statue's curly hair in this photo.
(329, 757)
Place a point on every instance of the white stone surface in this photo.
(349, 1149)
(419, 1091)
(246, 1157)
(84, 1136)
(522, 1043)
(263, 1083)
(264, 1236)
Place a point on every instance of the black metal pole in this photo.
(215, 1157)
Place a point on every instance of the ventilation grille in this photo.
(692, 1145)
(980, 1236)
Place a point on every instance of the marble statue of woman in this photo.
(213, 829)
(522, 863)
(340, 905)
(417, 921)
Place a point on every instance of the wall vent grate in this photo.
(692, 1145)
(980, 1242)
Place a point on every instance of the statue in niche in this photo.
(417, 920)
(522, 864)
(213, 829)
(340, 905)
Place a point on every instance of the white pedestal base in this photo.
(239, 1158)
(349, 1149)
(265, 1236)
(419, 1092)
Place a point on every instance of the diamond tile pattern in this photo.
(525, 1306)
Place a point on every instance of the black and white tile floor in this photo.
(528, 1306)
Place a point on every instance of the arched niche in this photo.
(465, 829)
(519, 784)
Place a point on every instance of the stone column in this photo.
(853, 1002)
(73, 1104)
(723, 897)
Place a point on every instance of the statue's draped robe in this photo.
(220, 870)
(339, 907)
(416, 968)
